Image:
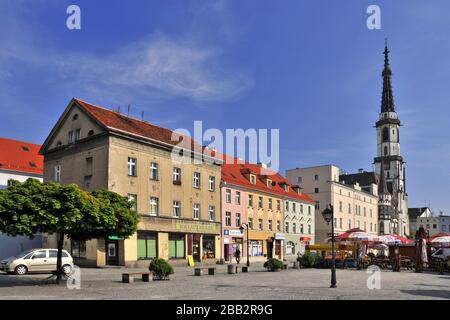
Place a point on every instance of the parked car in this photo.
(36, 261)
(441, 254)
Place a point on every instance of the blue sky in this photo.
(310, 68)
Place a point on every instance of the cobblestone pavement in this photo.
(258, 284)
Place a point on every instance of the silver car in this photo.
(36, 261)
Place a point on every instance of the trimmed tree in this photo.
(64, 210)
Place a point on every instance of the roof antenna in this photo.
(129, 107)
(118, 109)
(142, 115)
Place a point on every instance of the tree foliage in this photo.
(34, 207)
(31, 207)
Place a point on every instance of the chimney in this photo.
(360, 170)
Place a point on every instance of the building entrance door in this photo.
(112, 252)
(269, 249)
(196, 248)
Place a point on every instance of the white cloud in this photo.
(175, 68)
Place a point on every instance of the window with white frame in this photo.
(176, 174)
(212, 213)
(250, 200)
(197, 180)
(286, 227)
(260, 202)
(212, 183)
(154, 206)
(77, 134)
(301, 208)
(196, 211)
(228, 195)
(70, 136)
(294, 227)
(278, 205)
(154, 168)
(250, 223)
(57, 173)
(260, 224)
(278, 225)
(176, 209)
(132, 167)
(238, 197)
(270, 224)
(228, 219)
(133, 198)
(270, 203)
(238, 220)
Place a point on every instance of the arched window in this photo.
(385, 150)
(385, 134)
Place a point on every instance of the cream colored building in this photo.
(353, 207)
(178, 202)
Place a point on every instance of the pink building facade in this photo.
(233, 216)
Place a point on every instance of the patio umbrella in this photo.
(441, 240)
(356, 235)
(394, 239)
(439, 235)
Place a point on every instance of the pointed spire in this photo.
(387, 100)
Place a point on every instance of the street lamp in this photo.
(328, 215)
(241, 228)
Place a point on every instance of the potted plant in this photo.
(308, 260)
(160, 269)
(273, 264)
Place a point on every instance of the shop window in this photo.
(209, 247)
(146, 245)
(290, 247)
(78, 249)
(176, 246)
(255, 248)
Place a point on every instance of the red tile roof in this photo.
(20, 157)
(116, 121)
(233, 173)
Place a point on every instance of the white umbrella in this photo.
(445, 239)
(388, 239)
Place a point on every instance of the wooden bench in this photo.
(198, 270)
(129, 277)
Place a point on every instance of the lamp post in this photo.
(241, 228)
(328, 215)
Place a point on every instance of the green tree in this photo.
(65, 210)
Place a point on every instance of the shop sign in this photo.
(231, 232)
(195, 227)
(279, 236)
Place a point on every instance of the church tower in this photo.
(389, 164)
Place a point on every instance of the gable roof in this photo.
(113, 121)
(233, 173)
(21, 157)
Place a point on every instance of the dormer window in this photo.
(252, 179)
(269, 183)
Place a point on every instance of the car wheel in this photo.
(21, 270)
(67, 269)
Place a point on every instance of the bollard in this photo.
(230, 269)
